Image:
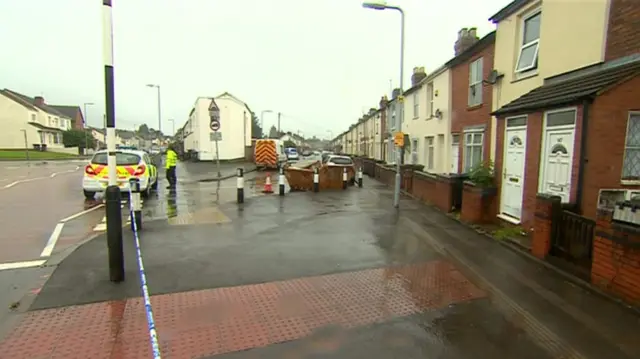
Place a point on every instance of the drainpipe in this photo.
(583, 153)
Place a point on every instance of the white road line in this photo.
(53, 239)
(53, 174)
(11, 184)
(74, 216)
(17, 265)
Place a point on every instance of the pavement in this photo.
(338, 274)
(208, 171)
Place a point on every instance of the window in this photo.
(415, 106)
(475, 82)
(122, 159)
(528, 56)
(430, 100)
(430, 149)
(631, 162)
(33, 117)
(472, 149)
(393, 118)
(414, 151)
(49, 121)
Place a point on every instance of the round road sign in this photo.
(215, 125)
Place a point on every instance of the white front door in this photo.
(515, 144)
(556, 160)
(455, 153)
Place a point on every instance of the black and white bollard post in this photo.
(281, 181)
(112, 192)
(240, 175)
(316, 180)
(344, 178)
(136, 204)
(360, 177)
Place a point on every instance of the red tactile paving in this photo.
(215, 321)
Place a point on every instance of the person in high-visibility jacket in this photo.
(170, 165)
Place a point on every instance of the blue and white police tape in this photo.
(153, 334)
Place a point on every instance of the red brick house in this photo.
(471, 101)
(73, 112)
(582, 126)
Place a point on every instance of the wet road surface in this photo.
(331, 275)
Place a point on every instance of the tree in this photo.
(273, 132)
(78, 138)
(256, 130)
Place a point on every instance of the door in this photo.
(455, 153)
(557, 157)
(513, 172)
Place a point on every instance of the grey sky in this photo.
(321, 63)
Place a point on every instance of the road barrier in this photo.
(359, 177)
(316, 180)
(281, 181)
(153, 334)
(344, 178)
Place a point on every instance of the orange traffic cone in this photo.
(267, 184)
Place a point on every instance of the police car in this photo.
(129, 163)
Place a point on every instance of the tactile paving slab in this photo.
(211, 215)
(215, 321)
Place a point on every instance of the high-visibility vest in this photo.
(172, 159)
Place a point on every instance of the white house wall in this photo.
(14, 118)
(423, 126)
(232, 129)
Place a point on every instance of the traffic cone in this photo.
(267, 184)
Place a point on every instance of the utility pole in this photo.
(112, 193)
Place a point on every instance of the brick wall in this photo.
(78, 123)
(462, 115)
(607, 126)
(478, 204)
(616, 259)
(623, 32)
(542, 224)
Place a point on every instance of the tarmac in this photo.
(338, 274)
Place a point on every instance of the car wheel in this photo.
(89, 194)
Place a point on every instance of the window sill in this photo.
(520, 76)
(509, 219)
(630, 182)
(474, 107)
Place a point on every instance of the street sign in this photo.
(215, 136)
(215, 125)
(401, 99)
(398, 139)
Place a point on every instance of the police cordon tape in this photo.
(136, 224)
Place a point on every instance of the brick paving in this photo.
(224, 320)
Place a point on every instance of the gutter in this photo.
(583, 153)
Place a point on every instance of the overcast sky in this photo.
(321, 63)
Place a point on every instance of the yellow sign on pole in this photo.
(398, 139)
(401, 99)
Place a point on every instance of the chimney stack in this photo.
(383, 101)
(38, 100)
(466, 39)
(418, 75)
(395, 93)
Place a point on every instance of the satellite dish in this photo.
(493, 77)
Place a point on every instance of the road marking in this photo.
(74, 216)
(53, 239)
(11, 184)
(102, 226)
(18, 265)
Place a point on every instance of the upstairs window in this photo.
(430, 100)
(530, 44)
(475, 83)
(415, 105)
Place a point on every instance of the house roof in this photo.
(30, 103)
(69, 111)
(510, 9)
(574, 86)
(43, 127)
(481, 44)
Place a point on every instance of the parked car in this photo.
(292, 154)
(129, 163)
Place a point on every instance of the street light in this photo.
(84, 126)
(262, 120)
(399, 108)
(159, 107)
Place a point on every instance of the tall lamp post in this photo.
(262, 120)
(84, 126)
(398, 105)
(159, 107)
